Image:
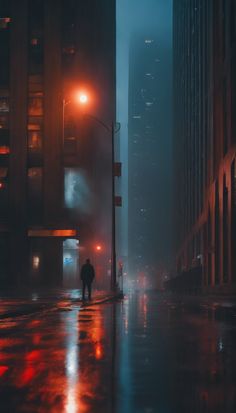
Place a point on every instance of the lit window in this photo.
(35, 140)
(149, 103)
(35, 123)
(4, 104)
(149, 41)
(4, 22)
(34, 41)
(35, 107)
(4, 150)
(69, 50)
(3, 178)
(35, 173)
(136, 117)
(36, 262)
(3, 121)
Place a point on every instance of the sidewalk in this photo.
(42, 301)
(206, 301)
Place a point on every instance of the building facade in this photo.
(148, 156)
(55, 167)
(204, 41)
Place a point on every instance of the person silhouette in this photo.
(87, 275)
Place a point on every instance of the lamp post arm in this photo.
(107, 127)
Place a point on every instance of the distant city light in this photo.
(36, 262)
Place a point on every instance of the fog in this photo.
(144, 36)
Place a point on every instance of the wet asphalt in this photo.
(148, 353)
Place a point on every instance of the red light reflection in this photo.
(98, 351)
(33, 355)
(3, 370)
(27, 375)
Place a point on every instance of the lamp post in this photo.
(112, 130)
(82, 99)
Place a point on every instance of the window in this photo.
(36, 37)
(35, 148)
(35, 140)
(4, 57)
(4, 22)
(3, 193)
(35, 107)
(35, 123)
(4, 104)
(4, 121)
(35, 187)
(35, 84)
(4, 142)
(4, 150)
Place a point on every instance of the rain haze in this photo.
(117, 206)
(144, 109)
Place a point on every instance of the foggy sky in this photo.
(142, 18)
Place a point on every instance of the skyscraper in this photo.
(149, 151)
(204, 142)
(49, 157)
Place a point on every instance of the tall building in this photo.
(55, 165)
(149, 132)
(204, 37)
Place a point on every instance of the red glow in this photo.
(28, 375)
(98, 351)
(3, 370)
(33, 355)
(34, 323)
(4, 150)
(1, 185)
(98, 248)
(36, 339)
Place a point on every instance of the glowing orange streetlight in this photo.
(79, 97)
(82, 98)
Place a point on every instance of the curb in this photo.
(54, 307)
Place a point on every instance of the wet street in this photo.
(145, 354)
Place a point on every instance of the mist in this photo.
(145, 243)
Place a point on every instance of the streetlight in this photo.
(82, 98)
(112, 130)
(79, 97)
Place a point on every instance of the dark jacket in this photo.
(87, 273)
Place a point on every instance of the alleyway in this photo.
(145, 354)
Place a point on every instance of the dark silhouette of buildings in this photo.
(204, 36)
(54, 185)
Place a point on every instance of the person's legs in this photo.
(83, 294)
(89, 285)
